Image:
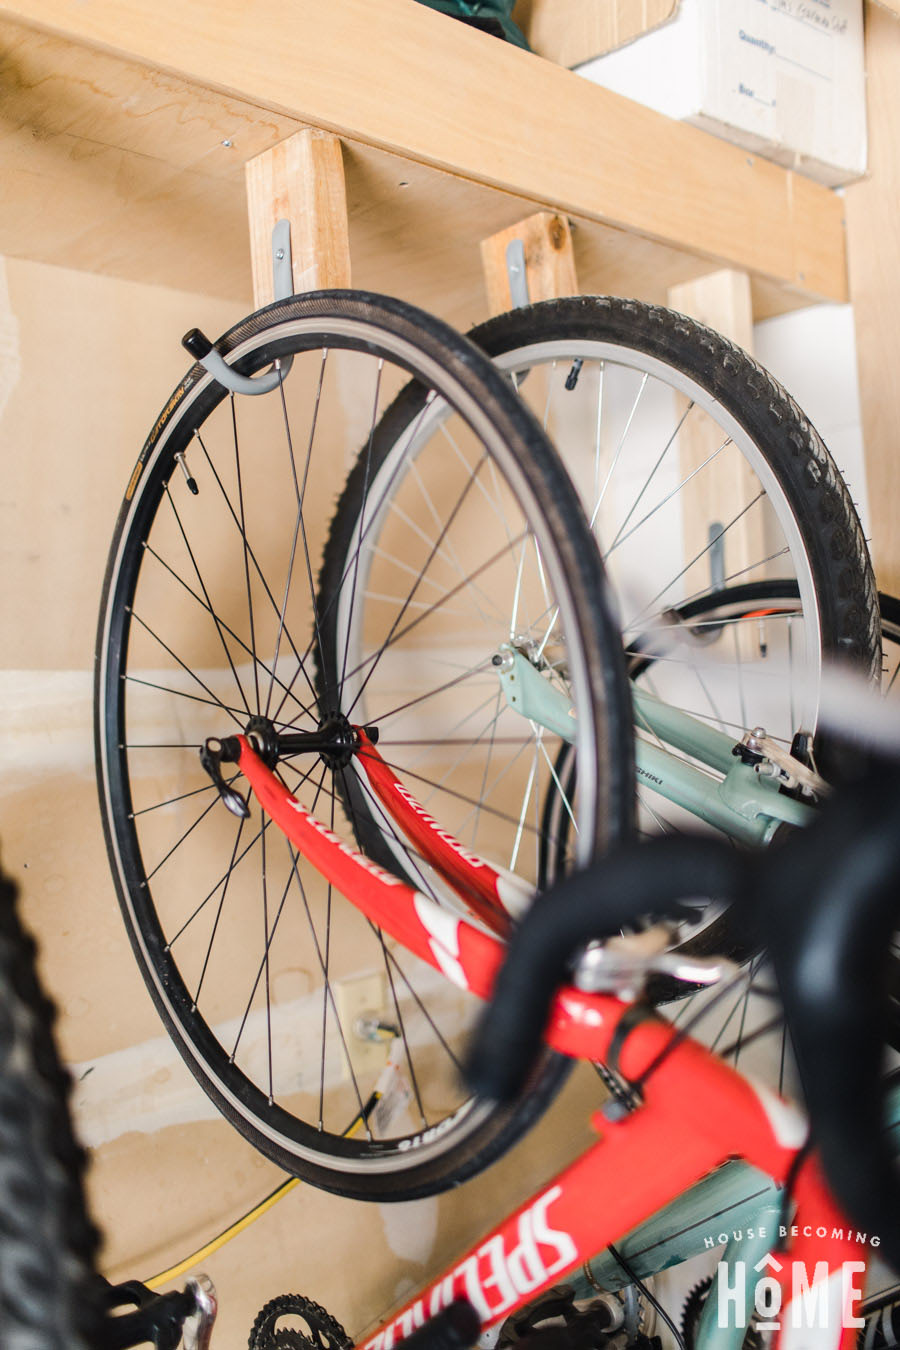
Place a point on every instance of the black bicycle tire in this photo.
(50, 1293)
(710, 942)
(609, 688)
(584, 572)
(832, 535)
(838, 555)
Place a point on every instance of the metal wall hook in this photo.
(516, 273)
(202, 350)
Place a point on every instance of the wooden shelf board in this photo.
(115, 162)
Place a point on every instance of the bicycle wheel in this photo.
(767, 611)
(698, 473)
(280, 996)
(49, 1291)
(756, 606)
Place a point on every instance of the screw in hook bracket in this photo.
(212, 755)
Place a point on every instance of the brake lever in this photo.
(623, 966)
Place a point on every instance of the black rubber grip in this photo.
(828, 904)
(456, 1327)
(197, 344)
(636, 882)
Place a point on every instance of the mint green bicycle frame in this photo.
(737, 1202)
(742, 804)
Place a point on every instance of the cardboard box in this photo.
(784, 78)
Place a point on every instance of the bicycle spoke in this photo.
(243, 530)
(647, 481)
(367, 462)
(674, 493)
(715, 539)
(214, 698)
(182, 693)
(407, 1049)
(182, 796)
(263, 965)
(618, 451)
(394, 635)
(250, 557)
(209, 606)
(215, 928)
(221, 624)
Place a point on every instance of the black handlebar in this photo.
(629, 885)
(827, 904)
(824, 903)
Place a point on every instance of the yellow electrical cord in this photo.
(252, 1215)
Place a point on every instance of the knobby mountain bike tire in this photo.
(701, 478)
(699, 474)
(659, 421)
(750, 606)
(50, 1294)
(656, 417)
(224, 592)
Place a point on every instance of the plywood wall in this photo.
(86, 362)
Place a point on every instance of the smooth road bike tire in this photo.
(220, 595)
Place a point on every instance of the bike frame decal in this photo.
(466, 954)
(390, 903)
(485, 890)
(697, 1114)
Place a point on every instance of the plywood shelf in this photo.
(124, 129)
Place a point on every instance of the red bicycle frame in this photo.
(696, 1113)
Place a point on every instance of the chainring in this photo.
(320, 1331)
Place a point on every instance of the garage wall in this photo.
(87, 363)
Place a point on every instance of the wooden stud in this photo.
(549, 260)
(721, 300)
(721, 489)
(302, 180)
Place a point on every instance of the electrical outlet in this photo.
(359, 999)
